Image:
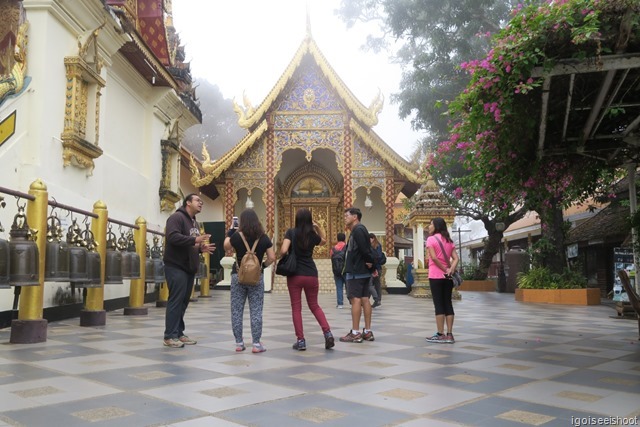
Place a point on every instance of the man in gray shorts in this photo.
(358, 268)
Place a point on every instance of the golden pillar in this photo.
(138, 286)
(204, 282)
(163, 292)
(30, 327)
(94, 313)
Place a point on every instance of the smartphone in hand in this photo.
(235, 223)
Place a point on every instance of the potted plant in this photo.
(542, 286)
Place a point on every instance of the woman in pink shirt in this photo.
(441, 249)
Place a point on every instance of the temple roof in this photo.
(255, 119)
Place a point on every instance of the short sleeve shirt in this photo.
(449, 247)
(305, 266)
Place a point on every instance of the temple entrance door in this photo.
(321, 210)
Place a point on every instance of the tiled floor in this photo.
(513, 364)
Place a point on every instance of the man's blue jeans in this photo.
(180, 285)
(339, 288)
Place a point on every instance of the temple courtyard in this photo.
(513, 364)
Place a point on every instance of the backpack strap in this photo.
(246, 245)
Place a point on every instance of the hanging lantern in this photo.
(113, 261)
(23, 253)
(57, 253)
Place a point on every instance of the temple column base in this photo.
(93, 318)
(28, 331)
(136, 311)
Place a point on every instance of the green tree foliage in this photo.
(495, 131)
(435, 37)
(219, 129)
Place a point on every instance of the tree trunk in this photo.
(491, 247)
(552, 224)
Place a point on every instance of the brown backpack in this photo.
(250, 268)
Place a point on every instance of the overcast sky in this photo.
(246, 45)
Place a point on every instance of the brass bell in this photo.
(23, 253)
(4, 263)
(113, 262)
(93, 262)
(135, 258)
(78, 256)
(149, 274)
(57, 253)
(95, 281)
(158, 265)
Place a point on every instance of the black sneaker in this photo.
(300, 345)
(368, 336)
(329, 341)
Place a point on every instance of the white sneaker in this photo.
(339, 306)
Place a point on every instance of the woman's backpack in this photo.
(250, 268)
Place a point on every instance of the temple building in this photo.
(309, 144)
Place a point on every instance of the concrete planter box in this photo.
(488, 285)
(588, 296)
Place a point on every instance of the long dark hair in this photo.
(304, 227)
(250, 225)
(440, 226)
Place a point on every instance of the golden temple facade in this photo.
(310, 144)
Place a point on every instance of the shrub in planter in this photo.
(543, 278)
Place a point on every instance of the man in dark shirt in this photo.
(181, 261)
(358, 268)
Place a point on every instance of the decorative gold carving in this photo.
(83, 79)
(367, 116)
(13, 83)
(213, 170)
(78, 152)
(168, 182)
(244, 114)
(384, 151)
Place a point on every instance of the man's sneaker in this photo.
(376, 304)
(300, 345)
(329, 341)
(449, 339)
(351, 337)
(258, 348)
(187, 341)
(368, 336)
(240, 347)
(173, 343)
(437, 338)
(339, 306)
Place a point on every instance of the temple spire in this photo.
(308, 20)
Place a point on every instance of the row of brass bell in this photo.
(75, 260)
(122, 260)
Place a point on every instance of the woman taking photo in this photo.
(252, 230)
(440, 249)
(302, 240)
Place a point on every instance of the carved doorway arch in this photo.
(312, 186)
